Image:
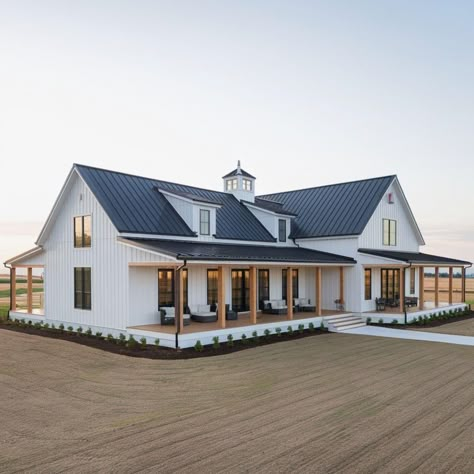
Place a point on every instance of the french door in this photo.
(390, 283)
(240, 290)
(263, 287)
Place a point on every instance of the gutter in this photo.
(404, 291)
(176, 336)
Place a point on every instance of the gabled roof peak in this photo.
(238, 171)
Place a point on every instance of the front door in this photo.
(240, 290)
(391, 283)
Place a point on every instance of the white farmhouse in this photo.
(150, 258)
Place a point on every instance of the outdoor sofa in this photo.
(304, 304)
(167, 316)
(275, 306)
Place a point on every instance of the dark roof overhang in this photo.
(415, 258)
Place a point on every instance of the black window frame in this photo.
(412, 281)
(247, 184)
(82, 297)
(368, 284)
(212, 285)
(295, 282)
(81, 241)
(282, 231)
(263, 286)
(389, 232)
(203, 222)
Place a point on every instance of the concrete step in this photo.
(346, 321)
(341, 322)
(350, 326)
(337, 317)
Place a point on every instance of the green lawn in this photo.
(20, 280)
(4, 311)
(19, 291)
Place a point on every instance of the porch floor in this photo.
(35, 312)
(242, 321)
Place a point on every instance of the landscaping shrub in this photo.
(37, 325)
(301, 328)
(369, 320)
(278, 331)
(53, 326)
(311, 327)
(45, 326)
(157, 342)
(198, 347)
(79, 330)
(267, 333)
(132, 343)
(255, 336)
(30, 323)
(290, 331)
(321, 326)
(98, 335)
(122, 339)
(89, 332)
(110, 338)
(381, 321)
(244, 339)
(230, 340)
(61, 327)
(395, 321)
(143, 343)
(70, 329)
(215, 342)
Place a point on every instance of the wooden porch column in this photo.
(341, 285)
(220, 297)
(179, 299)
(463, 285)
(318, 293)
(402, 289)
(289, 293)
(450, 285)
(421, 297)
(13, 288)
(253, 294)
(29, 294)
(436, 286)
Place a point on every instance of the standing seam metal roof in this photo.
(333, 210)
(135, 205)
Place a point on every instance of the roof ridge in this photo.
(147, 177)
(263, 196)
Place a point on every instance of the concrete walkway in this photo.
(413, 335)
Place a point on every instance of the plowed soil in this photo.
(332, 403)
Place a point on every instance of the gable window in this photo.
(389, 232)
(412, 281)
(282, 230)
(82, 231)
(247, 184)
(82, 288)
(295, 283)
(231, 184)
(368, 283)
(204, 222)
(211, 286)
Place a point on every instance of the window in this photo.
(389, 232)
(240, 290)
(412, 281)
(368, 283)
(247, 184)
(231, 184)
(282, 230)
(165, 288)
(82, 231)
(204, 222)
(211, 286)
(263, 287)
(295, 284)
(82, 288)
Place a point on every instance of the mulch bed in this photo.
(430, 324)
(157, 352)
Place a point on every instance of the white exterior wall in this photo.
(407, 239)
(107, 258)
(270, 221)
(184, 208)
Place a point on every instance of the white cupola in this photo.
(240, 183)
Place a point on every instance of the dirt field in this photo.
(461, 328)
(444, 289)
(333, 403)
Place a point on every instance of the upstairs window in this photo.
(82, 231)
(231, 184)
(247, 184)
(82, 288)
(282, 230)
(204, 222)
(389, 232)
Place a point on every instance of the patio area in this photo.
(243, 320)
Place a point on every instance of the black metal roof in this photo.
(333, 210)
(414, 257)
(236, 172)
(210, 251)
(134, 204)
(190, 196)
(271, 206)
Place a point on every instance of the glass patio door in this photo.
(240, 290)
(263, 287)
(390, 283)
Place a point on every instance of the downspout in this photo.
(176, 336)
(11, 296)
(404, 294)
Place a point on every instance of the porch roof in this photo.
(183, 250)
(417, 258)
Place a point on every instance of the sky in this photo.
(303, 93)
